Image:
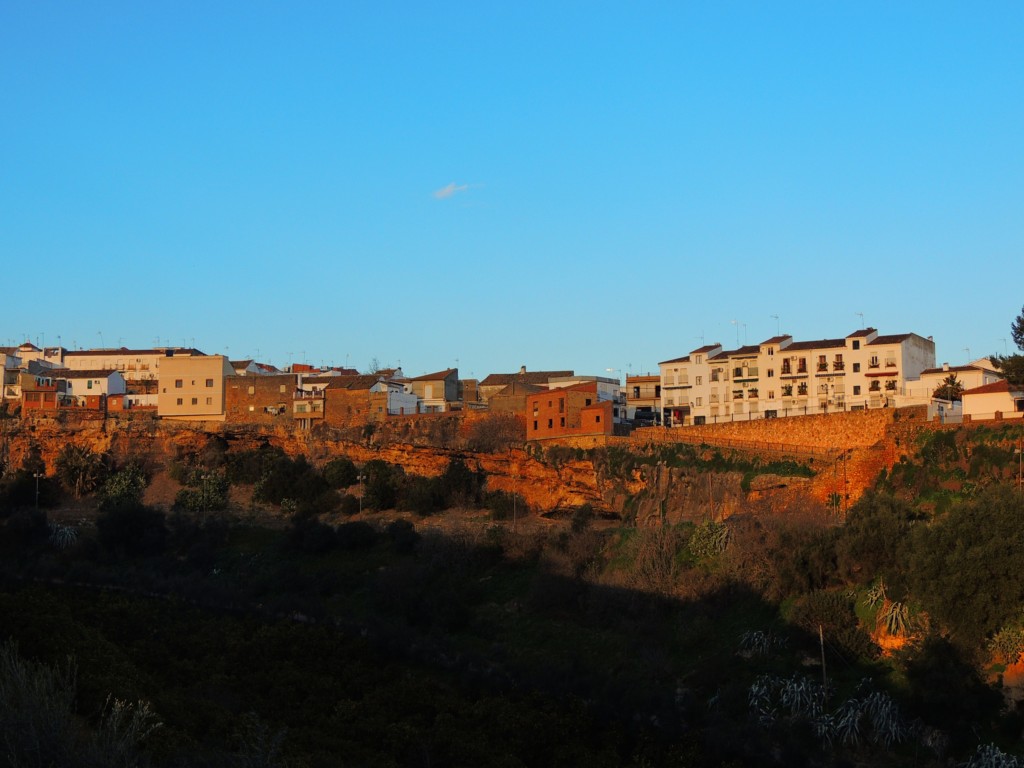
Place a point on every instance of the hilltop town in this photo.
(777, 378)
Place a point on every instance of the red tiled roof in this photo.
(363, 381)
(527, 377)
(65, 373)
(894, 339)
(806, 346)
(126, 351)
(862, 332)
(994, 387)
(706, 348)
(435, 376)
(954, 369)
(683, 359)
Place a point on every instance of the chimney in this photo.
(945, 366)
(522, 369)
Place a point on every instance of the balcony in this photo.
(822, 367)
(873, 364)
(838, 365)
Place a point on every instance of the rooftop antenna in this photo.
(861, 316)
(744, 332)
(701, 337)
(100, 334)
(968, 351)
(737, 324)
(1004, 346)
(778, 325)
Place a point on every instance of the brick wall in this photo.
(347, 408)
(251, 399)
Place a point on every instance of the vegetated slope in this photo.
(693, 642)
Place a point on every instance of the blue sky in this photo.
(558, 185)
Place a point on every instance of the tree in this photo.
(1012, 366)
(496, 432)
(951, 389)
(341, 473)
(79, 468)
(124, 488)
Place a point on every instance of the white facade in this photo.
(780, 377)
(82, 384)
(400, 402)
(134, 364)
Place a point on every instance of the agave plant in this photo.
(896, 618)
(62, 536)
(876, 594)
(990, 756)
(1008, 644)
(757, 643)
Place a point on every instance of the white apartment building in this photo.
(134, 364)
(782, 377)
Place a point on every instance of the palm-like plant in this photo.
(951, 389)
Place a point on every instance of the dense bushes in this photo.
(967, 567)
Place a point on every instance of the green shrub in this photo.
(340, 473)
(124, 488)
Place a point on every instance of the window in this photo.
(534, 426)
(856, 390)
(551, 423)
(856, 344)
(699, 380)
(771, 372)
(252, 390)
(657, 390)
(88, 384)
(699, 401)
(195, 401)
(178, 383)
(209, 383)
(562, 422)
(561, 405)
(587, 401)
(179, 402)
(636, 393)
(598, 419)
(856, 367)
(281, 389)
(209, 401)
(771, 351)
(771, 394)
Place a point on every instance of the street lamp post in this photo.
(37, 475)
(1019, 450)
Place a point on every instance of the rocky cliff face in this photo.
(651, 495)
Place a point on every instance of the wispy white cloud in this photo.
(449, 190)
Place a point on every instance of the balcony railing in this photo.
(822, 366)
(838, 365)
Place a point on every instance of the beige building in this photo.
(192, 387)
(782, 377)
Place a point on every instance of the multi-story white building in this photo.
(783, 377)
(134, 364)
